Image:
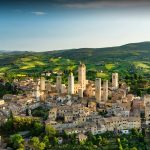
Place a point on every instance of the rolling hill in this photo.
(126, 58)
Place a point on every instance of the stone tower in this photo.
(42, 84)
(147, 114)
(115, 81)
(80, 92)
(82, 76)
(63, 88)
(58, 84)
(105, 90)
(37, 93)
(98, 90)
(71, 84)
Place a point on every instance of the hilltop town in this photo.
(79, 107)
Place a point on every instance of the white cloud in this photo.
(39, 13)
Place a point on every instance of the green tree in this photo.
(135, 132)
(41, 146)
(55, 140)
(35, 142)
(16, 140)
(148, 90)
(8, 86)
(46, 141)
(50, 131)
(133, 148)
(119, 143)
(139, 92)
(104, 141)
(135, 76)
(37, 128)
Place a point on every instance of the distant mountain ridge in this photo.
(132, 50)
(132, 46)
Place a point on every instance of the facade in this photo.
(53, 114)
(98, 90)
(82, 76)
(37, 93)
(42, 84)
(105, 90)
(80, 92)
(48, 86)
(115, 84)
(2, 102)
(90, 91)
(71, 84)
(76, 88)
(81, 137)
(146, 99)
(68, 117)
(63, 88)
(58, 84)
(147, 114)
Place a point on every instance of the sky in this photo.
(44, 25)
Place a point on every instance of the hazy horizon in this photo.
(13, 50)
(56, 25)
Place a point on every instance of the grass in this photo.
(141, 65)
(110, 66)
(4, 69)
(28, 65)
(102, 75)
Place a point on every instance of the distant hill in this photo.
(125, 58)
(131, 51)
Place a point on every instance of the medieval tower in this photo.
(42, 84)
(58, 84)
(71, 84)
(37, 93)
(82, 76)
(98, 90)
(105, 90)
(115, 80)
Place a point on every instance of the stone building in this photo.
(147, 114)
(71, 84)
(115, 84)
(80, 92)
(53, 114)
(76, 88)
(42, 84)
(98, 90)
(58, 84)
(37, 93)
(82, 76)
(90, 90)
(105, 90)
(63, 88)
(68, 117)
(146, 99)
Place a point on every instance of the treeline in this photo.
(139, 84)
(16, 124)
(8, 88)
(44, 137)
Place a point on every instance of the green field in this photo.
(130, 58)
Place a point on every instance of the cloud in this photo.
(106, 3)
(39, 13)
(76, 3)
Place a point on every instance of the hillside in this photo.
(127, 58)
(131, 51)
